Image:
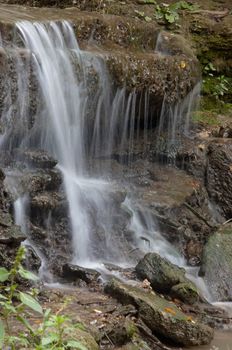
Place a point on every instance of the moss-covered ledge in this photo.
(128, 47)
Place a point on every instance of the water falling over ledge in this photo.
(63, 101)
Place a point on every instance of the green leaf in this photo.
(27, 274)
(171, 17)
(25, 322)
(147, 19)
(9, 307)
(140, 13)
(47, 313)
(18, 340)
(76, 345)
(50, 339)
(29, 301)
(2, 334)
(4, 274)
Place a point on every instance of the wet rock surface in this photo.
(186, 208)
(160, 316)
(11, 235)
(167, 278)
(73, 272)
(217, 261)
(219, 176)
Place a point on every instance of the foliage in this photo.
(53, 331)
(143, 16)
(168, 13)
(216, 86)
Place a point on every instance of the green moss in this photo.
(205, 117)
(186, 292)
(131, 329)
(210, 111)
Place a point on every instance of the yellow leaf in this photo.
(170, 310)
(182, 64)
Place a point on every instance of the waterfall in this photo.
(20, 212)
(64, 103)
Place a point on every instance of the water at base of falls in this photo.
(66, 104)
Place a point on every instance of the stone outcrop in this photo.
(11, 235)
(217, 264)
(167, 278)
(219, 175)
(73, 272)
(140, 68)
(161, 316)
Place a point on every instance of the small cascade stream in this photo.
(62, 73)
(64, 103)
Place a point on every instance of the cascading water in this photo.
(66, 105)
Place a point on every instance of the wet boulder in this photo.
(161, 316)
(185, 291)
(166, 277)
(11, 235)
(217, 264)
(219, 175)
(85, 338)
(73, 272)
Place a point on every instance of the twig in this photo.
(194, 211)
(146, 332)
(133, 250)
(226, 222)
(111, 342)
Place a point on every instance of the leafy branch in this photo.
(52, 333)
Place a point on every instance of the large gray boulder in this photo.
(219, 175)
(216, 266)
(166, 277)
(161, 316)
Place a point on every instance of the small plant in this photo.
(170, 13)
(52, 333)
(143, 16)
(216, 86)
(167, 13)
(209, 69)
(221, 87)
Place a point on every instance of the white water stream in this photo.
(65, 109)
(66, 106)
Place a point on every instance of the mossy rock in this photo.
(161, 273)
(166, 277)
(186, 291)
(122, 332)
(161, 316)
(85, 338)
(217, 264)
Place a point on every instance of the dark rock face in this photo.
(36, 158)
(32, 260)
(162, 317)
(166, 277)
(162, 274)
(217, 264)
(219, 176)
(39, 181)
(10, 234)
(73, 272)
